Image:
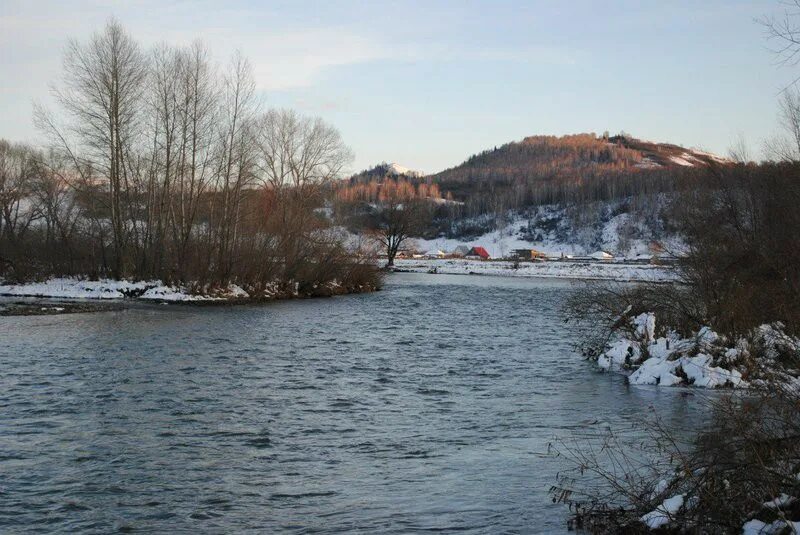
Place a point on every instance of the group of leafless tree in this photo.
(160, 164)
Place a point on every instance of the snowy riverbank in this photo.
(705, 359)
(74, 288)
(612, 271)
(107, 289)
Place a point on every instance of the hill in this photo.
(573, 168)
(570, 194)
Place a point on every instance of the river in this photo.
(427, 406)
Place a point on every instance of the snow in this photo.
(705, 359)
(499, 243)
(645, 324)
(758, 527)
(780, 502)
(619, 355)
(647, 163)
(711, 156)
(545, 269)
(74, 288)
(662, 514)
(681, 161)
(698, 370)
(601, 255)
(660, 487)
(171, 293)
(401, 170)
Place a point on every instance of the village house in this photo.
(528, 254)
(460, 251)
(478, 253)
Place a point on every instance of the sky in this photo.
(426, 84)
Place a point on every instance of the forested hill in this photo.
(385, 170)
(543, 157)
(574, 168)
(541, 170)
(579, 192)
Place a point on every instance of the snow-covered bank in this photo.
(105, 289)
(550, 269)
(706, 359)
(74, 288)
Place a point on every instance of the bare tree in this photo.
(198, 94)
(395, 221)
(783, 31)
(17, 207)
(235, 156)
(298, 157)
(786, 147)
(102, 90)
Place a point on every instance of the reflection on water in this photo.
(425, 407)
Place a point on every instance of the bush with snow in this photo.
(705, 359)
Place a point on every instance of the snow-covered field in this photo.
(550, 269)
(73, 288)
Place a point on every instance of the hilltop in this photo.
(385, 170)
(580, 167)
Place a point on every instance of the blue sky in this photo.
(426, 84)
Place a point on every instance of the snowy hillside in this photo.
(556, 230)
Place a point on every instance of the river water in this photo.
(428, 406)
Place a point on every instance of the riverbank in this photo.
(704, 359)
(588, 270)
(71, 289)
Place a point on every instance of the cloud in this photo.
(297, 58)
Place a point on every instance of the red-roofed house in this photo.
(478, 253)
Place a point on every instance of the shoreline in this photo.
(550, 269)
(66, 295)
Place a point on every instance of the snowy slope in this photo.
(562, 231)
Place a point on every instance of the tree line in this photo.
(160, 164)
